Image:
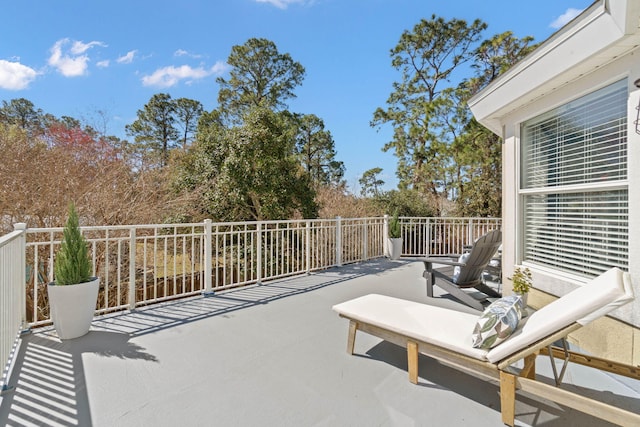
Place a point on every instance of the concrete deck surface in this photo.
(265, 355)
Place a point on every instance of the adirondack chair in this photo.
(465, 271)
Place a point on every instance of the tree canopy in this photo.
(316, 150)
(163, 124)
(250, 171)
(441, 150)
(370, 182)
(260, 76)
(250, 158)
(22, 113)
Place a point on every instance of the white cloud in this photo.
(282, 4)
(128, 58)
(103, 64)
(219, 68)
(170, 76)
(78, 48)
(563, 19)
(15, 76)
(182, 52)
(71, 62)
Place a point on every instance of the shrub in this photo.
(72, 264)
(394, 226)
(522, 280)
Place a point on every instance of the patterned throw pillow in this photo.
(497, 322)
(456, 269)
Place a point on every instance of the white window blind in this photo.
(573, 184)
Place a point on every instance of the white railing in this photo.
(442, 236)
(144, 264)
(12, 279)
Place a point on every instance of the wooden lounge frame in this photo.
(508, 378)
(446, 335)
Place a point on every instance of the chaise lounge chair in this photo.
(446, 335)
(464, 272)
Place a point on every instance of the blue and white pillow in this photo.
(456, 269)
(497, 322)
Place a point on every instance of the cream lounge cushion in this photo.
(452, 330)
(594, 299)
(440, 326)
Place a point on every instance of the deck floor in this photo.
(265, 355)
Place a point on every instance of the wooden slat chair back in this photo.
(470, 274)
(480, 255)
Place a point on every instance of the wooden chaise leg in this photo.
(351, 339)
(529, 369)
(508, 398)
(412, 361)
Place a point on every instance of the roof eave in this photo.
(602, 32)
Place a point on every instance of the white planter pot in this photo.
(524, 297)
(394, 248)
(72, 307)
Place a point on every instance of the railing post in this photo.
(22, 272)
(132, 268)
(307, 247)
(208, 242)
(338, 241)
(470, 238)
(385, 234)
(365, 238)
(427, 251)
(259, 260)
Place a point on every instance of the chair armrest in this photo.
(442, 260)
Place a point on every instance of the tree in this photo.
(480, 150)
(440, 147)
(248, 172)
(188, 112)
(481, 189)
(67, 161)
(496, 55)
(260, 77)
(316, 149)
(154, 130)
(22, 113)
(427, 57)
(371, 183)
(51, 173)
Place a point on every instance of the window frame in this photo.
(591, 188)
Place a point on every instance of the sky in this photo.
(102, 61)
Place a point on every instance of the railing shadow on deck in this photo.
(49, 378)
(145, 320)
(49, 375)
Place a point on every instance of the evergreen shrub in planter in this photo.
(74, 292)
(395, 237)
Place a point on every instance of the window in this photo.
(574, 184)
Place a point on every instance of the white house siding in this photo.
(598, 48)
(555, 282)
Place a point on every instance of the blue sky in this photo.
(75, 58)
